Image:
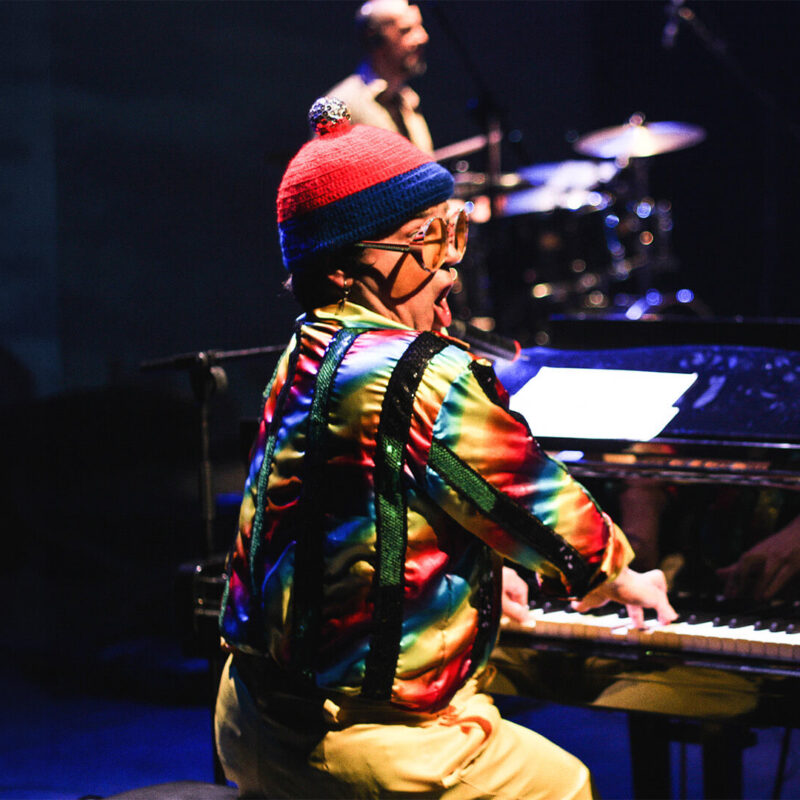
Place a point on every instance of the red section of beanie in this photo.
(334, 166)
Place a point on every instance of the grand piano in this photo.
(725, 667)
(726, 471)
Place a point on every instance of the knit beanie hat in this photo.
(351, 182)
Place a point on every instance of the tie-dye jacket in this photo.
(510, 501)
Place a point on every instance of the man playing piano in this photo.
(388, 483)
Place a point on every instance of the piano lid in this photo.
(742, 394)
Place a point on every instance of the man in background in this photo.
(393, 38)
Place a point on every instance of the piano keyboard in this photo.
(725, 636)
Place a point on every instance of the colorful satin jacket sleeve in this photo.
(303, 572)
(487, 471)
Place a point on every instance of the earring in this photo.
(346, 287)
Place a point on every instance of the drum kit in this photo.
(582, 235)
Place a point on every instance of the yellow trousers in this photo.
(466, 751)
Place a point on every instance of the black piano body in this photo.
(734, 441)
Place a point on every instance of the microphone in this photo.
(483, 343)
(672, 24)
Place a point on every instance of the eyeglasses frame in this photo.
(412, 247)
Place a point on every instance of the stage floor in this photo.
(141, 721)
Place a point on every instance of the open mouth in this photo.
(441, 310)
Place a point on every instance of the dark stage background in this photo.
(141, 148)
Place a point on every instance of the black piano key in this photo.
(772, 625)
(549, 604)
(792, 627)
(771, 616)
(622, 613)
(699, 617)
(743, 621)
(777, 616)
(734, 620)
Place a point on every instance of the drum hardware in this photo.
(639, 241)
(583, 235)
(583, 174)
(654, 303)
(543, 199)
(469, 185)
(542, 187)
(589, 290)
(607, 242)
(466, 147)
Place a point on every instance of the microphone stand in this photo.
(206, 378)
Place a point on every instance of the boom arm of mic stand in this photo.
(212, 357)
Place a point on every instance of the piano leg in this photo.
(722, 748)
(649, 742)
(722, 760)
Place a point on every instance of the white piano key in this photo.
(606, 627)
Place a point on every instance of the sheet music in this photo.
(600, 403)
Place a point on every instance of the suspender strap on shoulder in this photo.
(309, 519)
(391, 514)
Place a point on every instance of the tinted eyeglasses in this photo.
(430, 243)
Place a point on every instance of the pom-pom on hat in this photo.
(351, 182)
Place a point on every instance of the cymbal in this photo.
(570, 174)
(542, 199)
(639, 140)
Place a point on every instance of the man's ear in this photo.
(339, 278)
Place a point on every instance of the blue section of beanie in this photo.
(365, 214)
